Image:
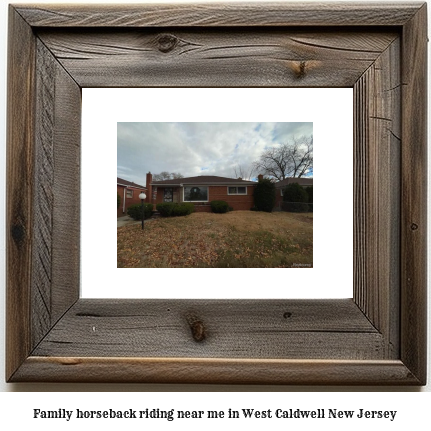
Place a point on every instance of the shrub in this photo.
(165, 209)
(309, 191)
(135, 211)
(172, 209)
(118, 201)
(264, 195)
(295, 198)
(294, 193)
(219, 207)
(182, 209)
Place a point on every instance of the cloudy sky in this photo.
(197, 148)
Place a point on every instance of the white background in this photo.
(16, 408)
(330, 110)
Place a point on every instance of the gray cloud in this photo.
(197, 148)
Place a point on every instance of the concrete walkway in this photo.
(126, 220)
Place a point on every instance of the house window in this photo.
(196, 194)
(237, 190)
(129, 193)
(281, 192)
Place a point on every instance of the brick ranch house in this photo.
(280, 185)
(129, 195)
(201, 190)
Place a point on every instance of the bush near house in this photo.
(183, 209)
(297, 198)
(172, 209)
(309, 191)
(135, 211)
(118, 201)
(219, 207)
(264, 195)
(165, 209)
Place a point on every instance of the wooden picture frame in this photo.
(378, 337)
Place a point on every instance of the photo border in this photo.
(99, 124)
(379, 337)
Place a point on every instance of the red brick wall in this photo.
(204, 208)
(129, 201)
(149, 179)
(159, 196)
(237, 202)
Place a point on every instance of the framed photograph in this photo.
(378, 337)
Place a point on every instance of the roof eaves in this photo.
(246, 183)
(136, 186)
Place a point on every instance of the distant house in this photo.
(129, 194)
(280, 185)
(201, 190)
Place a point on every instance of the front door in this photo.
(168, 194)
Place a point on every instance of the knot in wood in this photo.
(300, 69)
(197, 328)
(167, 42)
(414, 226)
(18, 233)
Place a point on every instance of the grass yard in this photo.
(238, 239)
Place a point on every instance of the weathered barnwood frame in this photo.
(378, 337)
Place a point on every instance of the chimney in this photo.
(260, 177)
(149, 188)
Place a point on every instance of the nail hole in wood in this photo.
(287, 314)
(414, 226)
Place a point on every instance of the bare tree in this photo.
(176, 175)
(292, 159)
(243, 172)
(167, 176)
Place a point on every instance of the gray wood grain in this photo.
(19, 202)
(220, 15)
(228, 58)
(413, 194)
(215, 371)
(55, 278)
(43, 194)
(377, 173)
(67, 194)
(268, 329)
(54, 336)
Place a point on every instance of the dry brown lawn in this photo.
(238, 239)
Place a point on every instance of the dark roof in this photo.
(202, 180)
(126, 183)
(303, 181)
